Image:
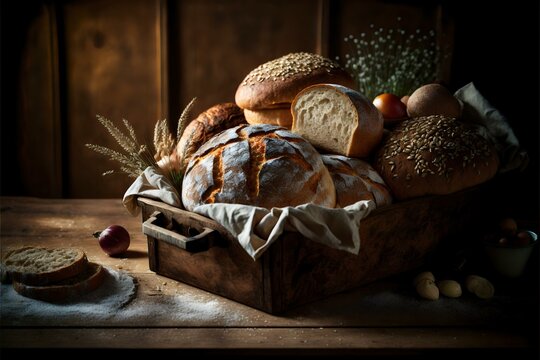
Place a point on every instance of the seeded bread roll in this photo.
(356, 180)
(40, 266)
(66, 290)
(207, 124)
(273, 85)
(434, 155)
(337, 119)
(260, 165)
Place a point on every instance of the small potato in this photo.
(427, 289)
(423, 275)
(449, 288)
(480, 286)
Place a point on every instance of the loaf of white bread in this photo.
(267, 92)
(51, 274)
(337, 119)
(259, 165)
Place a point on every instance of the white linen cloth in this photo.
(494, 126)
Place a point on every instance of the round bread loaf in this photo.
(356, 180)
(273, 85)
(68, 289)
(338, 120)
(434, 155)
(207, 124)
(433, 99)
(260, 165)
(279, 116)
(34, 265)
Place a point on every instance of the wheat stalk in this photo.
(184, 119)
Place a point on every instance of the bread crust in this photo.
(276, 82)
(434, 155)
(68, 289)
(35, 265)
(259, 165)
(207, 124)
(356, 180)
(279, 116)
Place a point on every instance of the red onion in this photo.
(114, 240)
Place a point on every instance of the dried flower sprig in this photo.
(136, 157)
(393, 60)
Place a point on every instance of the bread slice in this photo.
(69, 289)
(41, 266)
(337, 119)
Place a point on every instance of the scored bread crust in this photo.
(69, 289)
(434, 155)
(356, 180)
(40, 266)
(276, 82)
(278, 116)
(260, 165)
(368, 126)
(207, 124)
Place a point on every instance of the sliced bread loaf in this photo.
(63, 291)
(41, 266)
(337, 119)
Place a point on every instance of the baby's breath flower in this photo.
(392, 60)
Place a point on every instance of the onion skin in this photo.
(114, 240)
(390, 106)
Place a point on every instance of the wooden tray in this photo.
(187, 247)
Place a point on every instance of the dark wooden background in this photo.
(63, 62)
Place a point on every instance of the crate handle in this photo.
(199, 242)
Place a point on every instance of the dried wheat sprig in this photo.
(124, 141)
(159, 131)
(131, 130)
(164, 142)
(135, 166)
(184, 119)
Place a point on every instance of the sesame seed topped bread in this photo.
(434, 155)
(337, 119)
(66, 290)
(356, 180)
(274, 84)
(41, 266)
(260, 165)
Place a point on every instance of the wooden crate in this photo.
(193, 249)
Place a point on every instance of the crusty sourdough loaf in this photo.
(66, 290)
(207, 124)
(337, 119)
(274, 84)
(40, 266)
(356, 180)
(260, 165)
(434, 155)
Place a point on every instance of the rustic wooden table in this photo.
(383, 318)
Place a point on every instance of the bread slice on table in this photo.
(337, 119)
(41, 266)
(63, 291)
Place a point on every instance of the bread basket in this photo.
(198, 251)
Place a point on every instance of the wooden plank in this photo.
(215, 44)
(113, 68)
(331, 339)
(390, 303)
(39, 132)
